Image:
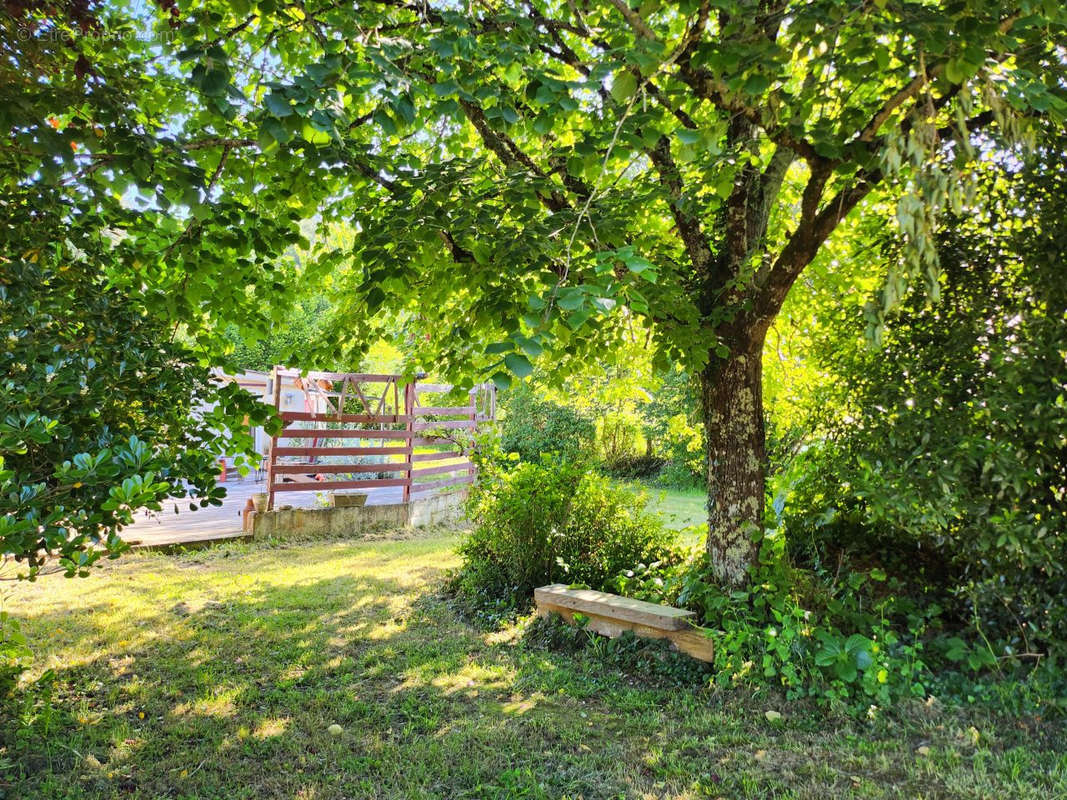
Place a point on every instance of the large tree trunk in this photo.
(732, 395)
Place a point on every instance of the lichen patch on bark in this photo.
(732, 397)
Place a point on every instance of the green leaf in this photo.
(954, 71)
(519, 364)
(571, 299)
(375, 298)
(688, 136)
(757, 84)
(513, 74)
(278, 105)
(578, 319)
(214, 82)
(623, 86)
(529, 346)
(404, 109)
(637, 265)
(846, 671)
(276, 131)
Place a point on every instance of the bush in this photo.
(553, 522)
(948, 464)
(618, 438)
(532, 427)
(643, 467)
(14, 653)
(676, 475)
(102, 413)
(851, 637)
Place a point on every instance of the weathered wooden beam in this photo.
(438, 455)
(444, 424)
(444, 410)
(611, 615)
(321, 416)
(340, 433)
(425, 487)
(324, 469)
(309, 452)
(419, 473)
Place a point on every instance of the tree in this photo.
(101, 414)
(535, 174)
(103, 410)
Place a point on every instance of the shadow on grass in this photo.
(234, 698)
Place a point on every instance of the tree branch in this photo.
(870, 130)
(707, 87)
(813, 230)
(632, 17)
(512, 155)
(688, 224)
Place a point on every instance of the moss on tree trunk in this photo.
(732, 398)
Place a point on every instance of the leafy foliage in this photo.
(525, 181)
(286, 343)
(534, 426)
(857, 638)
(14, 653)
(618, 437)
(552, 522)
(101, 414)
(948, 450)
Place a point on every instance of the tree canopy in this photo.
(525, 178)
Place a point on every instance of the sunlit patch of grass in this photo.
(680, 509)
(220, 674)
(272, 726)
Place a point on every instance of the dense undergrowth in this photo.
(852, 636)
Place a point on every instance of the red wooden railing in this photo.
(356, 410)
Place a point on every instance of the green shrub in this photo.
(14, 653)
(683, 444)
(618, 434)
(851, 637)
(532, 427)
(677, 475)
(553, 522)
(947, 464)
(642, 467)
(102, 411)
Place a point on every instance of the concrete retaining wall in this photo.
(329, 523)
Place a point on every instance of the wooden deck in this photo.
(220, 523)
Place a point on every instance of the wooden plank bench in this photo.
(610, 615)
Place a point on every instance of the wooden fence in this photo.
(360, 431)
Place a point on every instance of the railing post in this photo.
(473, 404)
(409, 427)
(271, 458)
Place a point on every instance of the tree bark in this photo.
(732, 398)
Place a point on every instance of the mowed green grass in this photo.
(680, 508)
(216, 674)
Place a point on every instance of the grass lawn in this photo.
(217, 674)
(680, 508)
